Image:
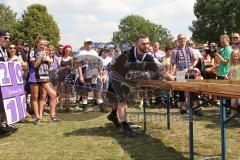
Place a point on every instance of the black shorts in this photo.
(118, 92)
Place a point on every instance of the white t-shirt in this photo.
(92, 51)
(91, 69)
(197, 53)
(159, 54)
(106, 61)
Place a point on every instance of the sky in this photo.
(98, 19)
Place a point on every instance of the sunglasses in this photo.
(12, 47)
(190, 44)
(235, 37)
(181, 38)
(6, 38)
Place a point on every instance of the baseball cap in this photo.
(26, 44)
(4, 33)
(87, 40)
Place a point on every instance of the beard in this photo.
(143, 50)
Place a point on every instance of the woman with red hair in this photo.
(65, 78)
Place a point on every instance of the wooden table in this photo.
(222, 88)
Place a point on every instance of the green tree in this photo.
(8, 19)
(133, 25)
(36, 22)
(214, 18)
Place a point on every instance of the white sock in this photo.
(99, 101)
(84, 101)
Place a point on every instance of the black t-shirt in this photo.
(129, 69)
(132, 65)
(3, 54)
(23, 54)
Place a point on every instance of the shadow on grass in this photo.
(5, 132)
(213, 116)
(80, 116)
(140, 147)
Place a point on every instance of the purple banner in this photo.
(12, 95)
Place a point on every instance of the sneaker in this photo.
(113, 118)
(45, 113)
(76, 108)
(37, 122)
(55, 119)
(103, 108)
(85, 108)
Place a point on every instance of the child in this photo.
(197, 74)
(235, 75)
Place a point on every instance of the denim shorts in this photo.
(88, 86)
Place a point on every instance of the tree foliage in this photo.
(36, 22)
(133, 25)
(214, 18)
(8, 19)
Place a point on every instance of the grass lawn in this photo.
(91, 136)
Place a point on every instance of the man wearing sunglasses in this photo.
(183, 59)
(236, 41)
(4, 39)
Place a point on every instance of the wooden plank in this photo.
(224, 89)
(158, 84)
(221, 95)
(236, 82)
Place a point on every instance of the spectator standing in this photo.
(183, 59)
(39, 81)
(157, 53)
(91, 84)
(4, 39)
(65, 78)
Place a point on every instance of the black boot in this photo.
(127, 131)
(113, 117)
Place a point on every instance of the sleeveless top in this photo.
(64, 72)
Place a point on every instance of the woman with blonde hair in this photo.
(39, 80)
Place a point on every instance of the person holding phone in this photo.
(39, 81)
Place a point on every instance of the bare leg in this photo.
(122, 111)
(62, 94)
(34, 98)
(52, 94)
(42, 102)
(67, 95)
